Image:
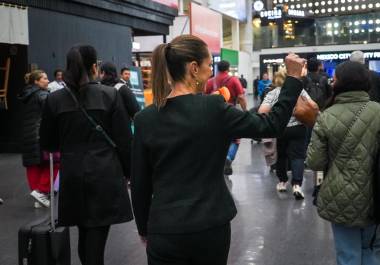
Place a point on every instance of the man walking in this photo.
(222, 79)
(58, 83)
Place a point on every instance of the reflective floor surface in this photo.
(270, 228)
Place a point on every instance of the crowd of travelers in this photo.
(183, 144)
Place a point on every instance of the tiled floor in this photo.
(270, 228)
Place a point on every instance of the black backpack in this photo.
(315, 91)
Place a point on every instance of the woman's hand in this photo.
(294, 65)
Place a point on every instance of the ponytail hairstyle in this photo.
(35, 75)
(169, 64)
(80, 60)
(350, 76)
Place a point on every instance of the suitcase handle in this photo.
(51, 162)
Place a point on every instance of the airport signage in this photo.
(296, 13)
(271, 14)
(345, 56)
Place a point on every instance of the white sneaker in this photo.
(297, 192)
(37, 205)
(41, 198)
(281, 186)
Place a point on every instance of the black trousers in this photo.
(208, 247)
(291, 150)
(91, 244)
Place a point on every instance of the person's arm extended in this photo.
(242, 102)
(239, 124)
(239, 90)
(264, 109)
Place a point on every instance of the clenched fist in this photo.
(294, 65)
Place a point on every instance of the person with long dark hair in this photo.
(87, 122)
(181, 203)
(344, 144)
(108, 76)
(37, 167)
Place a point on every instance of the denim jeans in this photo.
(232, 151)
(352, 245)
(291, 151)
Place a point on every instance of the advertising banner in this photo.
(207, 25)
(171, 3)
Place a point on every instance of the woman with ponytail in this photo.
(181, 203)
(94, 159)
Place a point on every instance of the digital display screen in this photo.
(134, 79)
(234, 8)
(375, 66)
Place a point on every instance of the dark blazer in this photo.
(93, 189)
(33, 98)
(129, 100)
(178, 158)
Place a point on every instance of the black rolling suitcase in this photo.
(41, 243)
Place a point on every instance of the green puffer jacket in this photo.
(346, 193)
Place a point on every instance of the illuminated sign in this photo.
(296, 13)
(278, 13)
(271, 14)
(258, 6)
(270, 61)
(346, 56)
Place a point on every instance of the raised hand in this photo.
(294, 65)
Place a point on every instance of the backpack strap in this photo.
(356, 118)
(90, 119)
(119, 85)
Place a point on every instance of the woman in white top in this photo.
(291, 147)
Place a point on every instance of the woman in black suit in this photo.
(93, 191)
(181, 203)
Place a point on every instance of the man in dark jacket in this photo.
(316, 84)
(108, 75)
(256, 87)
(243, 81)
(374, 91)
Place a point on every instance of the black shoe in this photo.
(228, 168)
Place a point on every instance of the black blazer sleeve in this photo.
(122, 135)
(238, 124)
(129, 101)
(49, 132)
(141, 181)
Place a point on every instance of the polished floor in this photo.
(270, 228)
